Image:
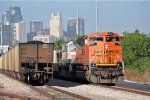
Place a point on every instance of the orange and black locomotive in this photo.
(96, 57)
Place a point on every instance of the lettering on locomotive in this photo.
(106, 52)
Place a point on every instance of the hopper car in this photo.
(31, 61)
(96, 57)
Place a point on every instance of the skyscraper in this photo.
(6, 34)
(36, 26)
(6, 18)
(13, 15)
(73, 23)
(19, 32)
(56, 25)
(9, 17)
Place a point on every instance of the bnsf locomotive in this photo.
(96, 57)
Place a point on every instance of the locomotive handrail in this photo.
(122, 62)
(70, 67)
(91, 62)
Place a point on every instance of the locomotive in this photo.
(96, 57)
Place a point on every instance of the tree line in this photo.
(136, 50)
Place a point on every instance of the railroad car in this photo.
(96, 57)
(30, 61)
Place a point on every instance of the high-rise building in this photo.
(9, 17)
(56, 25)
(36, 26)
(6, 34)
(75, 27)
(19, 31)
(6, 18)
(13, 15)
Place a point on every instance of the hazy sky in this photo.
(114, 15)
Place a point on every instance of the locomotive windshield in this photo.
(112, 39)
(96, 39)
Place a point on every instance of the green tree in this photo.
(58, 43)
(77, 36)
(136, 48)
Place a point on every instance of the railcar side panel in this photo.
(7, 61)
(12, 68)
(3, 62)
(17, 59)
(0, 62)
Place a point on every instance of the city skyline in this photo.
(116, 16)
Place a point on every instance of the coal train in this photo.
(96, 58)
(29, 62)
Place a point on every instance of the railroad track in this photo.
(55, 93)
(58, 94)
(132, 90)
(15, 96)
(79, 97)
(46, 90)
(127, 89)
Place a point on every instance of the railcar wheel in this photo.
(87, 76)
(42, 79)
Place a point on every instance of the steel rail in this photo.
(68, 93)
(53, 97)
(137, 91)
(11, 95)
(126, 89)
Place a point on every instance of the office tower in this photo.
(56, 25)
(19, 31)
(6, 18)
(9, 17)
(13, 15)
(36, 26)
(75, 27)
(6, 34)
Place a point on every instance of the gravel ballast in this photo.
(9, 85)
(96, 92)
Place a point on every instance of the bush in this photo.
(136, 50)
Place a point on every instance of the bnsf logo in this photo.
(107, 52)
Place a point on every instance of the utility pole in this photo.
(77, 23)
(1, 46)
(96, 15)
(1, 40)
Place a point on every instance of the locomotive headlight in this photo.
(106, 46)
(93, 65)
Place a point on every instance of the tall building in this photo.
(13, 15)
(56, 25)
(73, 25)
(6, 34)
(19, 31)
(6, 18)
(36, 26)
(9, 17)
